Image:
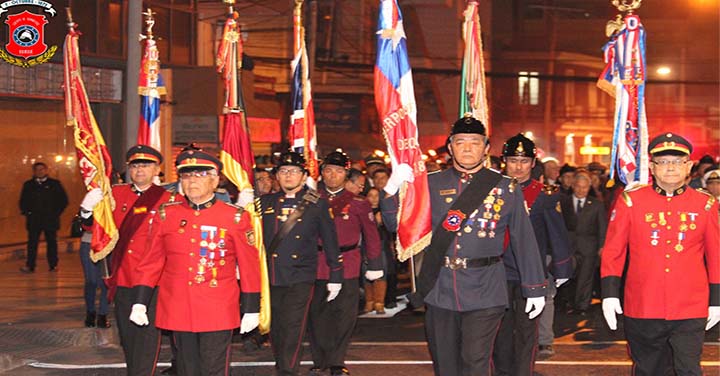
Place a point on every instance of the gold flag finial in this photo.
(149, 24)
(627, 5)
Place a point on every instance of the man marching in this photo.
(514, 352)
(135, 204)
(199, 250)
(670, 234)
(332, 323)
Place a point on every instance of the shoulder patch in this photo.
(238, 213)
(558, 207)
(250, 237)
(710, 200)
(513, 184)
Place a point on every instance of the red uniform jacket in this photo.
(353, 217)
(674, 251)
(192, 258)
(125, 196)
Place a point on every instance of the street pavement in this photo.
(42, 333)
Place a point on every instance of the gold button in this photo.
(669, 213)
(667, 255)
(190, 269)
(129, 250)
(457, 246)
(299, 220)
(669, 199)
(197, 213)
(192, 254)
(132, 240)
(189, 283)
(669, 241)
(194, 226)
(667, 270)
(669, 227)
(294, 256)
(275, 255)
(192, 240)
(459, 233)
(297, 236)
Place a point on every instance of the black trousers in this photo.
(289, 306)
(203, 354)
(141, 344)
(587, 264)
(514, 352)
(332, 323)
(653, 342)
(461, 342)
(34, 240)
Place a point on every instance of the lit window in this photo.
(528, 88)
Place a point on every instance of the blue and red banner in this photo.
(150, 88)
(395, 102)
(624, 79)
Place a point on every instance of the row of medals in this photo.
(490, 216)
(662, 221)
(209, 250)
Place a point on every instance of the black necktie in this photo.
(579, 206)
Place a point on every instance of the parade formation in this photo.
(291, 253)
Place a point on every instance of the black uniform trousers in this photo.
(331, 323)
(141, 344)
(461, 342)
(32, 245)
(653, 342)
(514, 352)
(289, 306)
(203, 354)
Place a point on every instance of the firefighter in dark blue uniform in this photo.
(514, 351)
(462, 277)
(294, 219)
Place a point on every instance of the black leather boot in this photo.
(90, 320)
(102, 322)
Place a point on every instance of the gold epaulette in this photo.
(627, 199)
(238, 213)
(173, 195)
(550, 189)
(710, 200)
(162, 211)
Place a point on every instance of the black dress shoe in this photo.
(339, 371)
(90, 320)
(102, 322)
(53, 269)
(391, 304)
(169, 371)
(316, 371)
(27, 270)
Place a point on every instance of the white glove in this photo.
(333, 290)
(372, 275)
(401, 173)
(138, 315)
(538, 303)
(560, 281)
(249, 322)
(310, 182)
(91, 199)
(611, 307)
(713, 317)
(245, 197)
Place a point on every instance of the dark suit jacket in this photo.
(42, 203)
(587, 228)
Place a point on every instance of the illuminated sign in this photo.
(594, 150)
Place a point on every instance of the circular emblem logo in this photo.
(26, 36)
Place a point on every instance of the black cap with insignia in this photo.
(468, 124)
(669, 144)
(519, 146)
(143, 153)
(291, 158)
(196, 160)
(337, 158)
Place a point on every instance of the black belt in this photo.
(343, 248)
(455, 263)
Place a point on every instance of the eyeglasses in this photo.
(141, 165)
(197, 174)
(290, 172)
(518, 160)
(670, 162)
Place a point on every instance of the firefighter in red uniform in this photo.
(134, 205)
(669, 232)
(332, 323)
(198, 251)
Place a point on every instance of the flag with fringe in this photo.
(473, 98)
(302, 133)
(150, 88)
(624, 78)
(236, 154)
(395, 102)
(92, 153)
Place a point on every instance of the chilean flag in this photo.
(150, 88)
(395, 102)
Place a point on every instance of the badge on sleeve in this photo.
(250, 235)
(453, 220)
